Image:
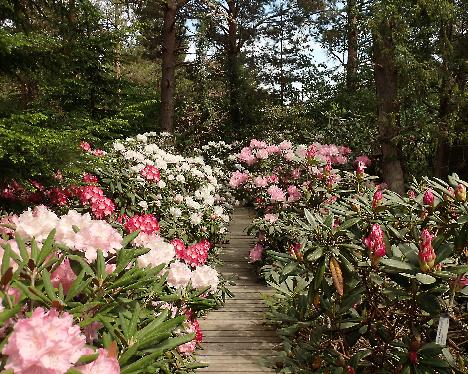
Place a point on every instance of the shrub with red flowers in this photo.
(362, 276)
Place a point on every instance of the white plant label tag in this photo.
(442, 330)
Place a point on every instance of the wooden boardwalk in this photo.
(235, 338)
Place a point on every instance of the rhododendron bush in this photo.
(111, 276)
(362, 276)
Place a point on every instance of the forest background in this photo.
(391, 81)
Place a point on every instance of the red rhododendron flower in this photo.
(147, 223)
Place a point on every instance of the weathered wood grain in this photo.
(236, 338)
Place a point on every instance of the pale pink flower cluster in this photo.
(276, 194)
(161, 252)
(238, 179)
(260, 181)
(45, 343)
(91, 235)
(180, 275)
(36, 223)
(272, 218)
(104, 364)
(204, 276)
(365, 160)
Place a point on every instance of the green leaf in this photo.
(49, 288)
(425, 278)
(47, 247)
(397, 264)
(86, 359)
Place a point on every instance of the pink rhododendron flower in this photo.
(427, 255)
(311, 151)
(272, 149)
(272, 218)
(147, 223)
(85, 146)
(63, 275)
(254, 143)
(246, 156)
(196, 254)
(262, 154)
(260, 181)
(98, 152)
(375, 243)
(256, 253)
(151, 173)
(296, 173)
(377, 199)
(366, 161)
(428, 198)
(411, 194)
(179, 247)
(285, 144)
(360, 168)
(44, 343)
(102, 207)
(179, 275)
(294, 193)
(90, 178)
(204, 276)
(289, 156)
(58, 196)
(276, 194)
(238, 179)
(104, 364)
(273, 178)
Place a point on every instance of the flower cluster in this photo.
(375, 243)
(146, 223)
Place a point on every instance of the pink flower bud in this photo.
(360, 168)
(377, 199)
(375, 243)
(428, 198)
(311, 151)
(413, 357)
(427, 255)
(411, 194)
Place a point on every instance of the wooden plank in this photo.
(240, 339)
(265, 333)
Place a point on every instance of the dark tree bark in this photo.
(385, 74)
(442, 154)
(168, 66)
(233, 65)
(352, 46)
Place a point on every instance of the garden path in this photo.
(236, 340)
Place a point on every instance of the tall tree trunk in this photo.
(168, 66)
(352, 39)
(442, 154)
(233, 67)
(385, 73)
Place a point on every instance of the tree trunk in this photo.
(385, 74)
(168, 66)
(352, 38)
(442, 154)
(232, 67)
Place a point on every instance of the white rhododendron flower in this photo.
(179, 275)
(204, 276)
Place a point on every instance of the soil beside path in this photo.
(235, 338)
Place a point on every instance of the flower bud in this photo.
(427, 255)
(375, 243)
(450, 195)
(377, 199)
(460, 192)
(428, 198)
(413, 357)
